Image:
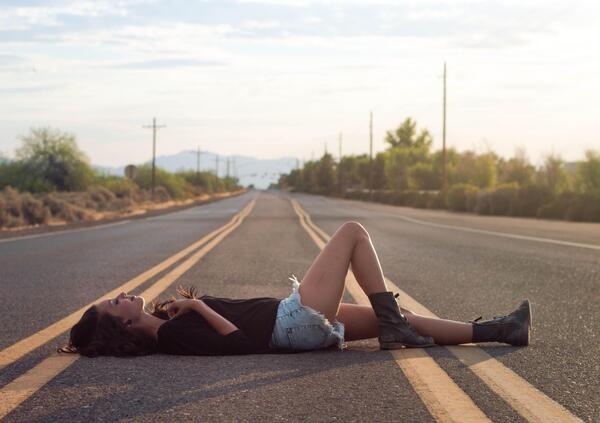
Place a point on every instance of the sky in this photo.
(269, 78)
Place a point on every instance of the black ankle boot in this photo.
(512, 329)
(394, 330)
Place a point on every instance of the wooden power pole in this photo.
(154, 127)
(444, 138)
(370, 155)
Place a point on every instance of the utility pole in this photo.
(198, 161)
(444, 138)
(371, 154)
(339, 167)
(154, 128)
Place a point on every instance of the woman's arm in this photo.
(220, 324)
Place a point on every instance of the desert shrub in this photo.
(502, 197)
(529, 199)
(10, 208)
(120, 204)
(457, 196)
(52, 161)
(584, 207)
(483, 204)
(100, 194)
(422, 200)
(12, 201)
(33, 210)
(122, 188)
(557, 208)
(64, 210)
(81, 199)
(176, 186)
(409, 198)
(161, 194)
(142, 196)
(437, 201)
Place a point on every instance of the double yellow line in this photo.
(441, 395)
(27, 384)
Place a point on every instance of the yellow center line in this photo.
(528, 401)
(30, 382)
(441, 395)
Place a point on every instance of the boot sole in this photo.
(401, 345)
(528, 322)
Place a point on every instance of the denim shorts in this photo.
(299, 327)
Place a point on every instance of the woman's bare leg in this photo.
(323, 285)
(361, 323)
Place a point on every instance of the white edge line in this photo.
(505, 235)
(494, 233)
(64, 231)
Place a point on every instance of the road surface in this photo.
(457, 266)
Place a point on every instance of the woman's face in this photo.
(125, 307)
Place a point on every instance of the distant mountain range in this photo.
(249, 170)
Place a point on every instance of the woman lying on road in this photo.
(211, 325)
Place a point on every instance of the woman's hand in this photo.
(178, 307)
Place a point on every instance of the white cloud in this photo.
(519, 74)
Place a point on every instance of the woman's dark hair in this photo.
(103, 334)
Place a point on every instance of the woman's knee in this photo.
(355, 228)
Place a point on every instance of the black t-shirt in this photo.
(190, 333)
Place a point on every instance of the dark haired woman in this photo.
(312, 317)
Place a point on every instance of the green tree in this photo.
(309, 177)
(588, 173)
(53, 161)
(326, 174)
(404, 136)
(517, 169)
(421, 176)
(478, 170)
(379, 180)
(398, 162)
(553, 175)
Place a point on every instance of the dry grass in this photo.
(24, 210)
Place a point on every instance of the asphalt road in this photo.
(459, 266)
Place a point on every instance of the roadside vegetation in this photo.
(409, 173)
(51, 180)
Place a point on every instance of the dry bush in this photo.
(12, 201)
(123, 188)
(64, 210)
(18, 209)
(80, 199)
(100, 194)
(10, 208)
(161, 194)
(34, 211)
(121, 204)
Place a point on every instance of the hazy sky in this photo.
(280, 78)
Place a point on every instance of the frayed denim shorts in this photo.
(299, 327)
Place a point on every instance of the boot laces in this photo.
(495, 318)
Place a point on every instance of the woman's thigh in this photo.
(323, 285)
